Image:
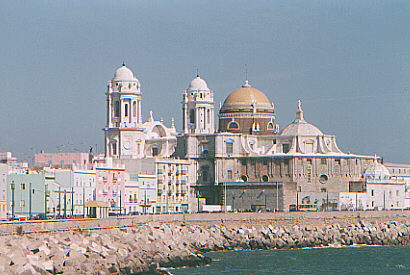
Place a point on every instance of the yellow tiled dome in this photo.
(246, 96)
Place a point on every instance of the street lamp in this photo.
(297, 197)
(13, 186)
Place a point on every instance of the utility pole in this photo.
(29, 201)
(65, 203)
(327, 200)
(72, 202)
(265, 201)
(83, 202)
(197, 196)
(45, 201)
(59, 201)
(297, 198)
(277, 196)
(356, 202)
(120, 202)
(13, 186)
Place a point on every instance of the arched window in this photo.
(114, 148)
(117, 111)
(233, 125)
(126, 110)
(270, 126)
(192, 116)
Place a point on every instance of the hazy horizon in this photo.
(348, 61)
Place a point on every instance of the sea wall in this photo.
(144, 248)
(125, 221)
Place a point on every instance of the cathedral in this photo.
(244, 162)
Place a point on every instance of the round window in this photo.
(323, 178)
(265, 178)
(244, 178)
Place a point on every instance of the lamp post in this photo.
(29, 201)
(65, 203)
(197, 196)
(298, 189)
(120, 202)
(13, 186)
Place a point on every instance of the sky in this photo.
(348, 61)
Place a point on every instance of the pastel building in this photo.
(83, 185)
(27, 193)
(110, 185)
(62, 160)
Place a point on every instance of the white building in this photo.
(126, 135)
(3, 191)
(377, 191)
(83, 185)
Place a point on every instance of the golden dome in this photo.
(244, 98)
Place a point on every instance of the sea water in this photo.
(329, 260)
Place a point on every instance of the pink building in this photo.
(63, 160)
(110, 186)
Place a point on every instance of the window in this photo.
(372, 191)
(134, 108)
(270, 126)
(285, 148)
(205, 174)
(229, 147)
(265, 178)
(233, 125)
(309, 161)
(338, 161)
(244, 178)
(74, 161)
(117, 109)
(114, 148)
(126, 109)
(323, 178)
(22, 203)
(323, 190)
(23, 186)
(323, 161)
(155, 151)
(230, 174)
(192, 116)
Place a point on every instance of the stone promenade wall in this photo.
(150, 246)
(116, 222)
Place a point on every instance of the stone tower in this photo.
(198, 108)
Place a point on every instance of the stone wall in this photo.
(150, 247)
(7, 228)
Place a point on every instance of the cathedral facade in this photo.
(244, 162)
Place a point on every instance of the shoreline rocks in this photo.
(147, 249)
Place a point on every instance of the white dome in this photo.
(123, 73)
(198, 84)
(377, 171)
(301, 128)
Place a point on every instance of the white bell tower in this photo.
(198, 108)
(123, 108)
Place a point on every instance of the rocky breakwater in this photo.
(146, 248)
